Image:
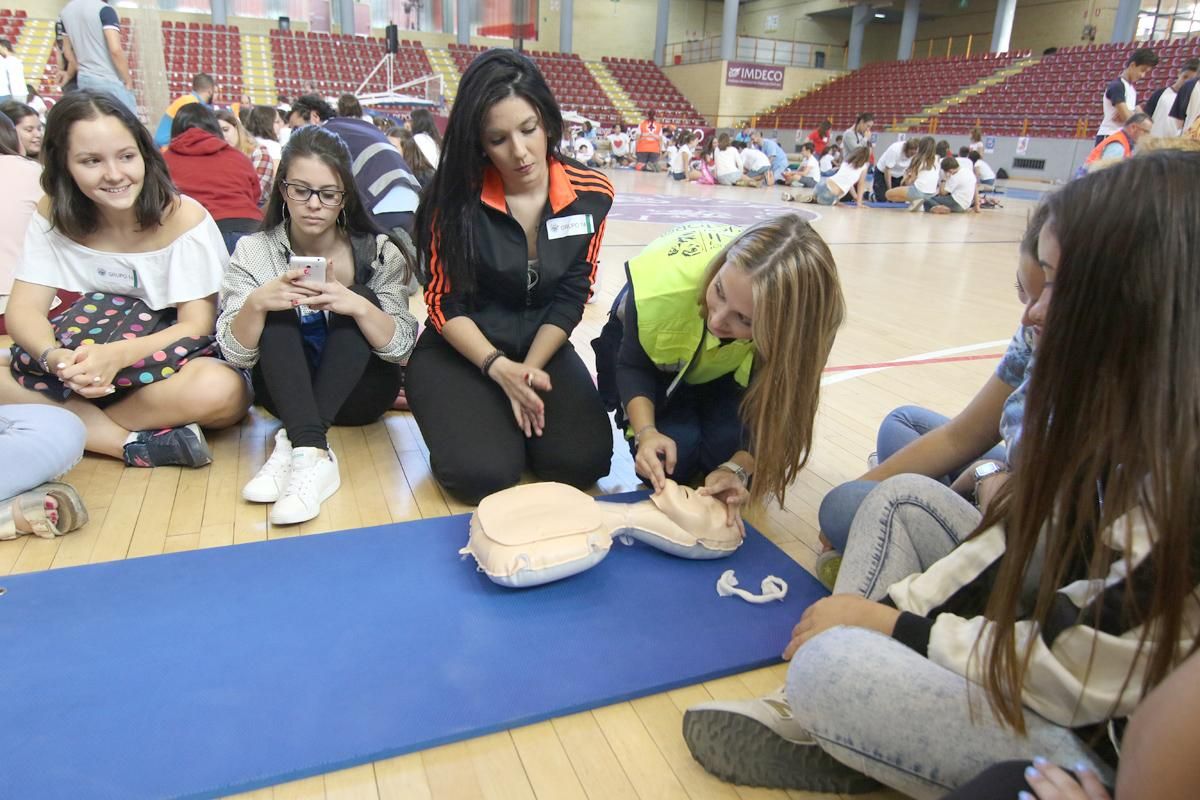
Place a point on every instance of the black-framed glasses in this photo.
(328, 197)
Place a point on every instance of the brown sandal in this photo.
(71, 513)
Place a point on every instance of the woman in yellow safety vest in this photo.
(713, 353)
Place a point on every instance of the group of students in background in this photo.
(1034, 595)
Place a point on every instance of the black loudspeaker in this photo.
(285, 23)
(393, 38)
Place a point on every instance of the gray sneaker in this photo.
(873, 460)
(759, 743)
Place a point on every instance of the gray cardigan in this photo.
(262, 257)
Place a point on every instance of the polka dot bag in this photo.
(98, 318)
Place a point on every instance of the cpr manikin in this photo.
(541, 532)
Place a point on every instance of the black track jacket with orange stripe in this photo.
(511, 301)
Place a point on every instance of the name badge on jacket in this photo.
(576, 225)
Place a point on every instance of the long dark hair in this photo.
(313, 141)
(10, 143)
(17, 111)
(70, 209)
(261, 122)
(421, 121)
(1112, 423)
(196, 115)
(449, 208)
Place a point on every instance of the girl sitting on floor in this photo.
(322, 351)
(132, 357)
(1033, 628)
(921, 179)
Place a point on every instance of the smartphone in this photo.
(315, 266)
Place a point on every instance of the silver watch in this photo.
(737, 470)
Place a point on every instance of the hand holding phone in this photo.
(315, 266)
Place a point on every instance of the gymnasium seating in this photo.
(573, 85)
(1060, 96)
(890, 90)
(10, 24)
(337, 63)
(202, 47)
(649, 88)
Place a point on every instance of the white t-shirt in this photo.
(976, 146)
(984, 171)
(893, 160)
(961, 186)
(679, 161)
(583, 149)
(1117, 91)
(927, 180)
(810, 167)
(428, 148)
(755, 159)
(826, 162)
(619, 143)
(190, 268)
(727, 160)
(845, 178)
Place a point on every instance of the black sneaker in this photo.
(184, 447)
(759, 743)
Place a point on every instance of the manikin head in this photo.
(700, 515)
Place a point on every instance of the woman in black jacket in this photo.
(509, 235)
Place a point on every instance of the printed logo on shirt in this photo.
(114, 277)
(576, 225)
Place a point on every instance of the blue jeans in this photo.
(703, 420)
(37, 444)
(115, 88)
(898, 429)
(880, 707)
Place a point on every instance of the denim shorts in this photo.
(916, 194)
(824, 195)
(679, 176)
(754, 173)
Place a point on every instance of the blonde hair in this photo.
(246, 142)
(798, 307)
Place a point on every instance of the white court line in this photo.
(950, 351)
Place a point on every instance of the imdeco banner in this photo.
(758, 76)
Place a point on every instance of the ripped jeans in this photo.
(881, 708)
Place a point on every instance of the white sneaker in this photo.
(759, 743)
(314, 480)
(268, 483)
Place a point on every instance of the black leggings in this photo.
(883, 182)
(475, 446)
(352, 385)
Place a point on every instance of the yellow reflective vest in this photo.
(666, 279)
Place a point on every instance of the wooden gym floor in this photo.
(938, 288)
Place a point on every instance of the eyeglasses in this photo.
(328, 197)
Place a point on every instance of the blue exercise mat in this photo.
(217, 671)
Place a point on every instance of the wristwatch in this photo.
(737, 470)
(985, 470)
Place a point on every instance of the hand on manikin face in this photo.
(700, 515)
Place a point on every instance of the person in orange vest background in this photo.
(1120, 144)
(649, 143)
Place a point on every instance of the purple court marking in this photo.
(669, 210)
